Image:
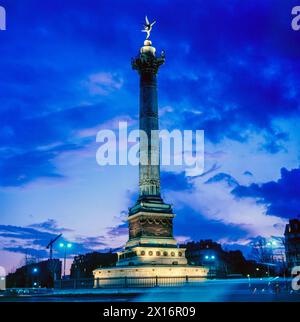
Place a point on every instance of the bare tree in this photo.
(260, 252)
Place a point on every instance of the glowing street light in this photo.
(249, 280)
(35, 274)
(65, 247)
(272, 243)
(210, 257)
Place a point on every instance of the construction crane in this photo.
(50, 245)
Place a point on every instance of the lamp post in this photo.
(272, 244)
(35, 272)
(249, 280)
(257, 271)
(65, 246)
(211, 263)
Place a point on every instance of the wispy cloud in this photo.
(104, 83)
(51, 226)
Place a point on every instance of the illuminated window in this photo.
(150, 253)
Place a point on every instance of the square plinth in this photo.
(147, 275)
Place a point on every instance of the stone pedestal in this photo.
(149, 275)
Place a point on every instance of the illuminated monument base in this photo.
(149, 275)
(150, 260)
(142, 263)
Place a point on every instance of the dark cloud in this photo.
(281, 197)
(32, 240)
(26, 133)
(175, 181)
(91, 242)
(223, 177)
(25, 233)
(235, 62)
(212, 169)
(28, 251)
(27, 152)
(51, 226)
(194, 225)
(275, 142)
(241, 78)
(121, 229)
(244, 103)
(20, 168)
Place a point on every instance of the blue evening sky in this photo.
(232, 69)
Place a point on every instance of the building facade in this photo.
(2, 279)
(292, 243)
(222, 263)
(41, 274)
(84, 265)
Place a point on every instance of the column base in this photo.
(150, 203)
(148, 275)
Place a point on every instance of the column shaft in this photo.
(149, 170)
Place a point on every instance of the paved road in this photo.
(226, 291)
(241, 290)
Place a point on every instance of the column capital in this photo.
(146, 61)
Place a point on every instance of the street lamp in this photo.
(65, 246)
(35, 276)
(257, 272)
(210, 257)
(249, 280)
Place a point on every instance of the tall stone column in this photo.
(151, 249)
(147, 64)
(150, 219)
